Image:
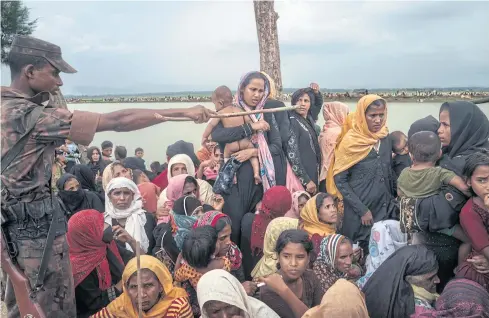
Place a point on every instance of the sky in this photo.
(141, 47)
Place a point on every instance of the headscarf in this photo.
(357, 142)
(85, 176)
(294, 211)
(267, 169)
(150, 193)
(324, 266)
(343, 300)
(220, 285)
(469, 128)
(429, 123)
(273, 87)
(181, 159)
(387, 293)
(182, 147)
(335, 114)
(211, 218)
(275, 203)
(87, 250)
(268, 263)
(109, 174)
(461, 298)
(174, 191)
(309, 215)
(135, 215)
(183, 218)
(74, 200)
(136, 163)
(96, 166)
(122, 306)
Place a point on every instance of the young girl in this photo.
(293, 289)
(474, 217)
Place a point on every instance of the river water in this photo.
(154, 140)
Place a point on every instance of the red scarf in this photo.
(276, 202)
(87, 250)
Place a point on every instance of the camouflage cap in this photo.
(31, 46)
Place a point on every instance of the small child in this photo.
(423, 180)
(71, 153)
(400, 152)
(199, 255)
(222, 98)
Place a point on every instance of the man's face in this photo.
(140, 153)
(107, 152)
(45, 79)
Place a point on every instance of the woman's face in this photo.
(151, 290)
(253, 92)
(71, 185)
(95, 156)
(305, 103)
(375, 117)
(121, 171)
(328, 213)
(301, 202)
(479, 182)
(217, 154)
(293, 261)
(444, 131)
(344, 257)
(190, 189)
(218, 309)
(224, 238)
(121, 198)
(427, 281)
(178, 169)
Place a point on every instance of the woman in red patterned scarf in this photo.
(96, 261)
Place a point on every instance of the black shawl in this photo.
(85, 176)
(428, 123)
(95, 166)
(79, 200)
(387, 293)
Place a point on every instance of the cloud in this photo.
(198, 45)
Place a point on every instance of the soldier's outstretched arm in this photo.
(134, 119)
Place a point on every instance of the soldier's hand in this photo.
(199, 114)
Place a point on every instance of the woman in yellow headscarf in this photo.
(160, 299)
(362, 171)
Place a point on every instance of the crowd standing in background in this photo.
(273, 217)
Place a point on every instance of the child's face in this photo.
(402, 147)
(217, 102)
(143, 178)
(479, 182)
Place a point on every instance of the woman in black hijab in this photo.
(463, 129)
(389, 292)
(75, 198)
(136, 163)
(86, 178)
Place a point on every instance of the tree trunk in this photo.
(266, 27)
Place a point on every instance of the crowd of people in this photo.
(277, 217)
(293, 220)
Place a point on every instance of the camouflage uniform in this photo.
(27, 187)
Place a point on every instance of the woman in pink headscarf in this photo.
(335, 114)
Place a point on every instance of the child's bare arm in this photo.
(210, 127)
(460, 184)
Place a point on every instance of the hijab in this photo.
(275, 203)
(181, 159)
(135, 215)
(183, 218)
(324, 266)
(294, 211)
(461, 298)
(267, 169)
(358, 141)
(73, 200)
(387, 293)
(469, 128)
(182, 147)
(429, 123)
(99, 166)
(87, 250)
(343, 300)
(335, 114)
(309, 215)
(220, 285)
(85, 176)
(150, 193)
(268, 263)
(122, 306)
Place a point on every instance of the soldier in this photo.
(32, 218)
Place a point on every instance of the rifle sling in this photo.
(6, 161)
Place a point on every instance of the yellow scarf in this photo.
(311, 223)
(357, 142)
(423, 294)
(122, 306)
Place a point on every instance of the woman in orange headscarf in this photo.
(362, 171)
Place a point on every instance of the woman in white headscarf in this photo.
(182, 164)
(124, 210)
(220, 293)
